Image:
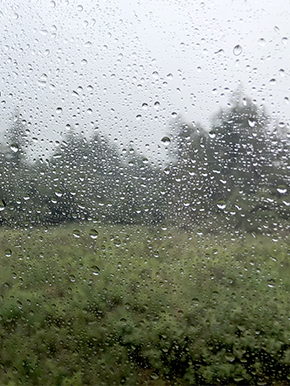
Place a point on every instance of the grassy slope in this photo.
(139, 306)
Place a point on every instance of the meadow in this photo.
(133, 305)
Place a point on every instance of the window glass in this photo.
(144, 193)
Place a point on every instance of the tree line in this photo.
(236, 174)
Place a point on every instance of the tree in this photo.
(240, 145)
(17, 141)
(188, 171)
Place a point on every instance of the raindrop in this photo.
(72, 278)
(237, 50)
(80, 8)
(42, 80)
(212, 134)
(261, 42)
(165, 141)
(282, 189)
(2, 205)
(88, 44)
(59, 110)
(76, 233)
(14, 147)
(170, 76)
(282, 72)
(221, 204)
(58, 193)
(154, 376)
(284, 41)
(94, 234)
(8, 252)
(52, 4)
(251, 123)
(157, 105)
(95, 270)
(144, 106)
(229, 357)
(155, 75)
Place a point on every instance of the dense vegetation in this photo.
(238, 172)
(122, 305)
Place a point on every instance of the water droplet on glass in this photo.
(2, 205)
(155, 75)
(80, 8)
(154, 376)
(282, 189)
(59, 110)
(14, 147)
(229, 357)
(95, 270)
(282, 72)
(94, 234)
(58, 193)
(8, 252)
(42, 80)
(262, 42)
(284, 40)
(52, 4)
(237, 50)
(72, 278)
(212, 134)
(88, 44)
(76, 233)
(221, 204)
(251, 123)
(165, 141)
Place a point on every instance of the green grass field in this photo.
(121, 305)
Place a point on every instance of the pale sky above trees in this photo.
(128, 67)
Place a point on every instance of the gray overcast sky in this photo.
(128, 66)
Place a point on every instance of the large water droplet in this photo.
(2, 205)
(94, 234)
(76, 233)
(237, 50)
(282, 189)
(8, 252)
(229, 357)
(14, 147)
(165, 141)
(262, 42)
(221, 204)
(95, 270)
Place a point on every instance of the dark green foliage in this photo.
(237, 172)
